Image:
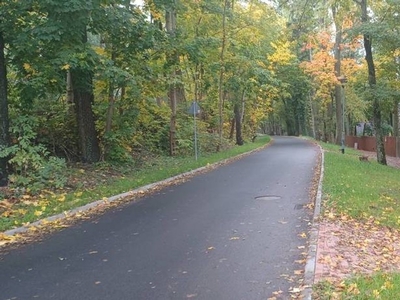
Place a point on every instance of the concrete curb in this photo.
(309, 271)
(131, 193)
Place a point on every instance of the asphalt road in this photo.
(218, 236)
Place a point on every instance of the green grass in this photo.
(361, 190)
(379, 286)
(152, 171)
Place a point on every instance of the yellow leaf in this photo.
(65, 67)
(4, 237)
(27, 67)
(78, 194)
(22, 211)
(303, 235)
(38, 213)
(6, 214)
(376, 293)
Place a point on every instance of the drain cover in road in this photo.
(268, 197)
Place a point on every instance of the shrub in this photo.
(32, 167)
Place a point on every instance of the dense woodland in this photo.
(103, 80)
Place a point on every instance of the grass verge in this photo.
(379, 286)
(361, 189)
(369, 194)
(99, 183)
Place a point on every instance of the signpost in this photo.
(194, 110)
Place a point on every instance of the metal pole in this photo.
(195, 130)
(343, 130)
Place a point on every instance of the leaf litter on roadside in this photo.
(356, 248)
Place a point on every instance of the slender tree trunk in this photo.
(232, 131)
(111, 101)
(170, 24)
(70, 90)
(396, 118)
(376, 108)
(238, 123)
(221, 75)
(243, 106)
(314, 133)
(338, 86)
(121, 100)
(4, 120)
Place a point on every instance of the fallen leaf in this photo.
(38, 213)
(303, 235)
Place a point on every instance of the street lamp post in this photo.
(343, 81)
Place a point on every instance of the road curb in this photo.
(132, 193)
(309, 271)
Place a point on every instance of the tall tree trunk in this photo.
(82, 83)
(238, 123)
(376, 108)
(70, 90)
(83, 99)
(111, 99)
(170, 24)
(221, 75)
(232, 131)
(396, 118)
(110, 110)
(4, 121)
(338, 86)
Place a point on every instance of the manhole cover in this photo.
(268, 197)
(299, 206)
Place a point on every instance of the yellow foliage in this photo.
(282, 54)
(65, 67)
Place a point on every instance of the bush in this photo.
(32, 167)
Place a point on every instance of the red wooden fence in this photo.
(368, 143)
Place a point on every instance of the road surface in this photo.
(236, 232)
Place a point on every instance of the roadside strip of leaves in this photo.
(99, 182)
(361, 229)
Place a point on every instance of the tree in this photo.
(4, 123)
(376, 107)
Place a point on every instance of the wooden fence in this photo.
(368, 143)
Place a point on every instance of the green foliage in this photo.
(33, 168)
